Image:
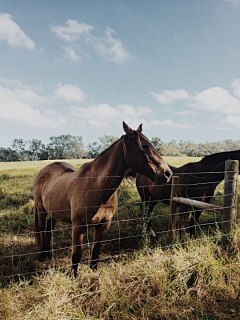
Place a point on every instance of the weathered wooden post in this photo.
(173, 208)
(230, 195)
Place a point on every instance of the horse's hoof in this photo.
(96, 220)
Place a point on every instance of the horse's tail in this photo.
(36, 227)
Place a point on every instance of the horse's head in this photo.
(141, 156)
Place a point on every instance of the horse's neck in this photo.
(203, 171)
(221, 158)
(215, 164)
(111, 162)
(108, 169)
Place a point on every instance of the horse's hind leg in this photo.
(40, 224)
(100, 231)
(51, 224)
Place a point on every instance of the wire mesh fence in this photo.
(126, 235)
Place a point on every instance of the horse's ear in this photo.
(139, 128)
(127, 129)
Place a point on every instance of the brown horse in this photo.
(88, 196)
(197, 180)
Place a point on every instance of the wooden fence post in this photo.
(173, 208)
(230, 195)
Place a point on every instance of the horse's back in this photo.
(50, 173)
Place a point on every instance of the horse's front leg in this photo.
(77, 238)
(151, 204)
(42, 235)
(100, 231)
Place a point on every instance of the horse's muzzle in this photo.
(163, 178)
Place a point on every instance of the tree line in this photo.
(72, 147)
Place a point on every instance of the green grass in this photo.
(188, 280)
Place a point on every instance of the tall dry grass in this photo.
(198, 280)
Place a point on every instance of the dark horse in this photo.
(88, 196)
(197, 180)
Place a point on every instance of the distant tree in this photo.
(157, 143)
(182, 148)
(106, 141)
(19, 146)
(191, 149)
(93, 150)
(37, 150)
(171, 149)
(230, 145)
(65, 147)
(208, 148)
(8, 155)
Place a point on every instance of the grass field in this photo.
(192, 279)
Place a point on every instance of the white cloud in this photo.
(25, 96)
(185, 112)
(30, 97)
(236, 87)
(15, 107)
(231, 122)
(235, 3)
(14, 82)
(72, 31)
(13, 34)
(19, 106)
(168, 96)
(105, 116)
(233, 52)
(169, 123)
(71, 53)
(70, 92)
(110, 49)
(216, 99)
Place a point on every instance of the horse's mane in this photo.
(122, 138)
(105, 150)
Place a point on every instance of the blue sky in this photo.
(83, 67)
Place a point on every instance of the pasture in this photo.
(190, 279)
